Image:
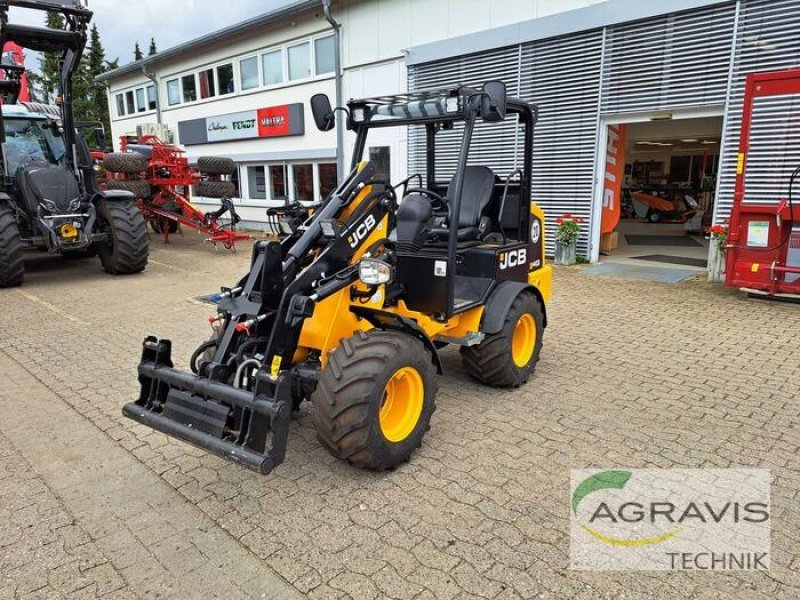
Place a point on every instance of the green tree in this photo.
(153, 50)
(96, 64)
(137, 52)
(50, 63)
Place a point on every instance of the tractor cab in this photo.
(467, 218)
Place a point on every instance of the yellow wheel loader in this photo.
(350, 308)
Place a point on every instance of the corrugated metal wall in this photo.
(680, 60)
(668, 62)
(767, 39)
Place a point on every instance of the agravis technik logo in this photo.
(668, 519)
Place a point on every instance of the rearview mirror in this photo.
(322, 111)
(493, 102)
(100, 139)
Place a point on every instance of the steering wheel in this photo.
(443, 206)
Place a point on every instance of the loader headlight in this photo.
(358, 115)
(451, 104)
(374, 272)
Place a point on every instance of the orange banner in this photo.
(614, 175)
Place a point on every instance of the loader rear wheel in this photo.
(129, 246)
(508, 358)
(12, 267)
(216, 165)
(125, 162)
(374, 399)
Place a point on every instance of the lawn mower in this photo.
(48, 190)
(351, 309)
(159, 175)
(657, 209)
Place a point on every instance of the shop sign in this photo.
(272, 121)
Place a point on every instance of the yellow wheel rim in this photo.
(402, 404)
(524, 340)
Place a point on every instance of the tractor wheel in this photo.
(216, 165)
(655, 216)
(125, 162)
(507, 358)
(127, 250)
(374, 399)
(12, 267)
(138, 187)
(216, 189)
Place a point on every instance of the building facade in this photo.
(590, 67)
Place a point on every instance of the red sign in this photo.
(273, 121)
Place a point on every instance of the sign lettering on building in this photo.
(272, 121)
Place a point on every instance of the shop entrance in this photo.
(658, 196)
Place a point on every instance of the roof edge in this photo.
(213, 37)
(594, 16)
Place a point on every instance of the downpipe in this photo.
(337, 65)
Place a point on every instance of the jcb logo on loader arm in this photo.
(361, 231)
(513, 258)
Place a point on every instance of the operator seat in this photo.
(475, 197)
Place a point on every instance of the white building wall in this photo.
(375, 34)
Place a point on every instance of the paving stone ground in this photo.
(633, 374)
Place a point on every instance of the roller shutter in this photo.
(767, 40)
(673, 61)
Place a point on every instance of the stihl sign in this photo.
(272, 121)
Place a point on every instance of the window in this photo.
(324, 55)
(225, 80)
(256, 183)
(327, 179)
(208, 88)
(303, 182)
(189, 88)
(277, 179)
(299, 61)
(381, 156)
(248, 73)
(272, 63)
(151, 97)
(141, 106)
(120, 105)
(173, 92)
(129, 105)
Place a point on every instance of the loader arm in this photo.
(263, 314)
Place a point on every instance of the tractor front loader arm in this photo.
(238, 402)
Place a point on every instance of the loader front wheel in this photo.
(374, 399)
(507, 358)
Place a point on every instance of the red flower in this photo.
(568, 217)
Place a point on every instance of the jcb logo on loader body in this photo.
(361, 231)
(513, 258)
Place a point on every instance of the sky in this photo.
(122, 23)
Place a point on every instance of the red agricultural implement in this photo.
(160, 177)
(763, 245)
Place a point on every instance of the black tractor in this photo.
(48, 190)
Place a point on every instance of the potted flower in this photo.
(716, 262)
(569, 228)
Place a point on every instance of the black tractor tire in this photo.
(493, 361)
(137, 187)
(353, 405)
(216, 165)
(129, 247)
(216, 189)
(12, 265)
(125, 162)
(160, 224)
